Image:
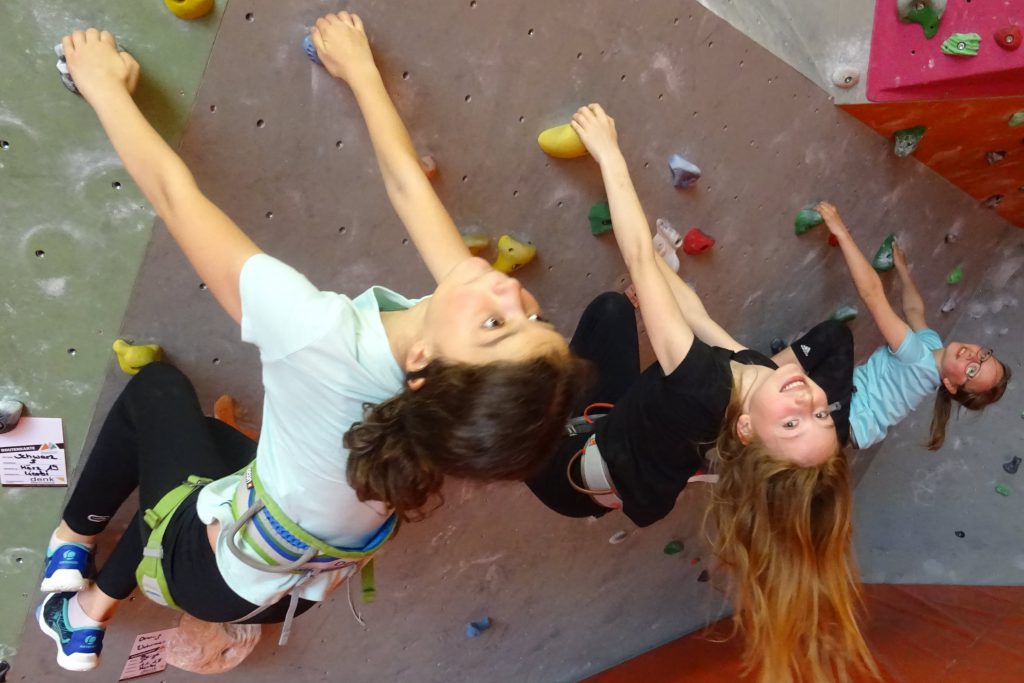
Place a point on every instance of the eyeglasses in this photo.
(973, 369)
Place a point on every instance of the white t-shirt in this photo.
(324, 355)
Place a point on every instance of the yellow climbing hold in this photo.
(189, 9)
(561, 142)
(513, 254)
(132, 357)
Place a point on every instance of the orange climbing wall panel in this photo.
(938, 634)
(960, 133)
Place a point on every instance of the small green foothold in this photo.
(883, 260)
(962, 44)
(844, 313)
(928, 19)
(600, 217)
(908, 139)
(1017, 119)
(955, 276)
(807, 219)
(1002, 489)
(673, 547)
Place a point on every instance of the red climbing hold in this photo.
(696, 241)
(833, 241)
(1008, 37)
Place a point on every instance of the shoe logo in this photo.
(69, 555)
(98, 518)
(90, 640)
(806, 349)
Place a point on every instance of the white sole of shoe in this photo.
(64, 581)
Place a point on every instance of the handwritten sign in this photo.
(32, 454)
(147, 654)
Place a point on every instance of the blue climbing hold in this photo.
(684, 173)
(307, 45)
(475, 628)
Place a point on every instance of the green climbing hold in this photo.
(844, 313)
(955, 276)
(962, 44)
(908, 139)
(600, 217)
(673, 547)
(883, 257)
(1017, 119)
(1002, 489)
(927, 13)
(807, 219)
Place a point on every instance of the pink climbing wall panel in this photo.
(904, 65)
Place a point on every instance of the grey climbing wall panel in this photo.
(72, 242)
(476, 81)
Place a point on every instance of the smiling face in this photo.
(479, 315)
(969, 366)
(789, 414)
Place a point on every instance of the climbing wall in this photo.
(281, 147)
(74, 230)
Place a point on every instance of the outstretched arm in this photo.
(869, 285)
(671, 337)
(696, 315)
(913, 304)
(344, 50)
(213, 244)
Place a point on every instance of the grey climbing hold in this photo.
(10, 413)
(962, 44)
(777, 345)
(845, 77)
(949, 305)
(684, 173)
(993, 201)
(994, 158)
(952, 237)
(668, 232)
(1013, 465)
(844, 313)
(475, 628)
(907, 140)
(617, 537)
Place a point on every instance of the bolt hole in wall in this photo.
(202, 286)
(249, 16)
(72, 351)
(116, 185)
(216, 361)
(213, 107)
(40, 253)
(260, 123)
(4, 144)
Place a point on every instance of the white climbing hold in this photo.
(845, 77)
(665, 250)
(617, 537)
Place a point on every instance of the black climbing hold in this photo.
(777, 345)
(704, 576)
(5, 669)
(959, 534)
(1012, 466)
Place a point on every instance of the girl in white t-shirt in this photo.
(370, 402)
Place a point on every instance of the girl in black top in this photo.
(782, 502)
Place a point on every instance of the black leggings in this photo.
(606, 336)
(155, 437)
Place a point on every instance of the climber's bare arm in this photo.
(212, 242)
(343, 48)
(913, 304)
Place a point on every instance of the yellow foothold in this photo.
(132, 358)
(189, 9)
(561, 142)
(513, 254)
(476, 241)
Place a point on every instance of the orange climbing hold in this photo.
(227, 410)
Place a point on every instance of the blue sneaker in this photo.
(78, 649)
(66, 568)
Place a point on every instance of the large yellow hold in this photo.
(189, 9)
(132, 358)
(561, 142)
(513, 254)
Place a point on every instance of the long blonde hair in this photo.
(784, 532)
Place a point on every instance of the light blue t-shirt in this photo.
(323, 355)
(891, 385)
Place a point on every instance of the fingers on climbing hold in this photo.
(907, 140)
(883, 259)
(684, 173)
(1008, 37)
(429, 166)
(561, 142)
(962, 44)
(310, 50)
(704, 576)
(955, 276)
(845, 77)
(697, 242)
(670, 234)
(10, 413)
(189, 9)
(600, 217)
(513, 254)
(806, 219)
(666, 252)
(133, 357)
